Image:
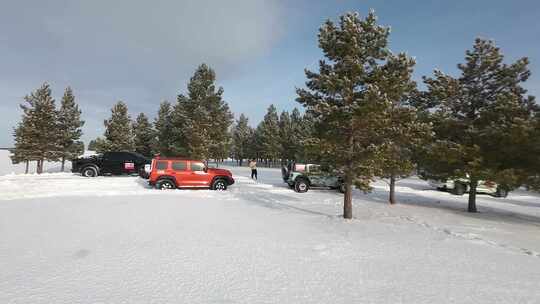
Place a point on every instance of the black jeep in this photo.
(111, 163)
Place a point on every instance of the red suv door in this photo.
(180, 170)
(198, 177)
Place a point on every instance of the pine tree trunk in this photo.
(39, 166)
(392, 198)
(27, 163)
(63, 164)
(347, 199)
(472, 196)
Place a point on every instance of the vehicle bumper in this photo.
(230, 181)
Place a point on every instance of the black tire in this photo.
(90, 171)
(342, 188)
(219, 185)
(459, 189)
(501, 192)
(301, 185)
(165, 184)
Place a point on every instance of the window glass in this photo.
(161, 165)
(179, 165)
(114, 156)
(197, 167)
(315, 168)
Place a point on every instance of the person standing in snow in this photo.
(253, 166)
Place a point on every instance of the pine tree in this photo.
(201, 120)
(92, 145)
(256, 148)
(482, 121)
(118, 131)
(404, 132)
(302, 137)
(38, 131)
(269, 134)
(190, 129)
(286, 137)
(144, 136)
(346, 100)
(532, 163)
(242, 135)
(101, 145)
(23, 144)
(163, 128)
(69, 128)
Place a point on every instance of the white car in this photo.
(460, 186)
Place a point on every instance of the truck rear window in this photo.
(161, 165)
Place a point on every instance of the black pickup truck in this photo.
(111, 163)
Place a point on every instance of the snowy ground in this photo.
(68, 239)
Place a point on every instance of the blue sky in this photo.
(143, 52)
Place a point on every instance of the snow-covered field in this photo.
(68, 239)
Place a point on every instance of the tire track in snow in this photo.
(472, 237)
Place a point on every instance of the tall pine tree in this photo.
(346, 100)
(69, 128)
(38, 132)
(163, 128)
(241, 137)
(286, 137)
(201, 119)
(269, 135)
(404, 132)
(143, 136)
(118, 131)
(481, 120)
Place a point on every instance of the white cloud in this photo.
(126, 49)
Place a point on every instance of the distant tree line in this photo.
(200, 125)
(197, 125)
(48, 133)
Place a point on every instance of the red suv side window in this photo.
(161, 165)
(196, 166)
(179, 165)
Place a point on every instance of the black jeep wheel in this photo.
(459, 189)
(301, 185)
(165, 184)
(89, 172)
(501, 192)
(219, 185)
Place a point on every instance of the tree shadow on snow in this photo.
(449, 204)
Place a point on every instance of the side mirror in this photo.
(205, 169)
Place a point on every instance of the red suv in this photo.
(172, 173)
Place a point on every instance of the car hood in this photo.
(219, 171)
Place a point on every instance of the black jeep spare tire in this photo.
(301, 185)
